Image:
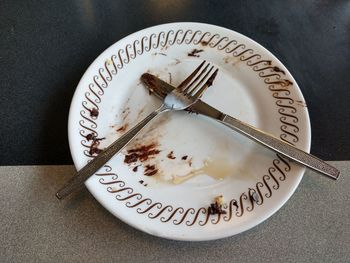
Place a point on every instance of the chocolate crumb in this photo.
(141, 153)
(204, 43)
(135, 168)
(184, 157)
(94, 150)
(90, 136)
(216, 208)
(130, 158)
(94, 112)
(150, 167)
(94, 145)
(141, 181)
(194, 53)
(171, 156)
(150, 173)
(150, 170)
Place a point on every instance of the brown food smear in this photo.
(204, 43)
(135, 168)
(194, 53)
(94, 112)
(123, 128)
(95, 143)
(150, 170)
(216, 208)
(141, 153)
(171, 156)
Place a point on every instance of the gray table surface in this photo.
(313, 226)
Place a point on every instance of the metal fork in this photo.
(188, 93)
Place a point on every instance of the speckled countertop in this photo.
(313, 226)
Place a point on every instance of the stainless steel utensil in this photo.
(161, 89)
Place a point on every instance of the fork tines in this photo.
(201, 78)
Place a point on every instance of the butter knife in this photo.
(161, 88)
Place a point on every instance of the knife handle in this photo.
(95, 164)
(281, 147)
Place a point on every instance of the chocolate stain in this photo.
(194, 53)
(141, 153)
(150, 170)
(95, 143)
(171, 156)
(123, 128)
(94, 112)
(135, 168)
(216, 208)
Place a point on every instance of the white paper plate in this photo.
(252, 85)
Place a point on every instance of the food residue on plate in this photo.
(150, 170)
(94, 144)
(217, 206)
(143, 183)
(141, 153)
(123, 127)
(135, 168)
(158, 53)
(171, 155)
(94, 112)
(216, 168)
(194, 52)
(204, 43)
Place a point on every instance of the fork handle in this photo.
(281, 147)
(95, 164)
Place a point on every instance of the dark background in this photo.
(45, 47)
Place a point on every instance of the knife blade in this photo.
(161, 88)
